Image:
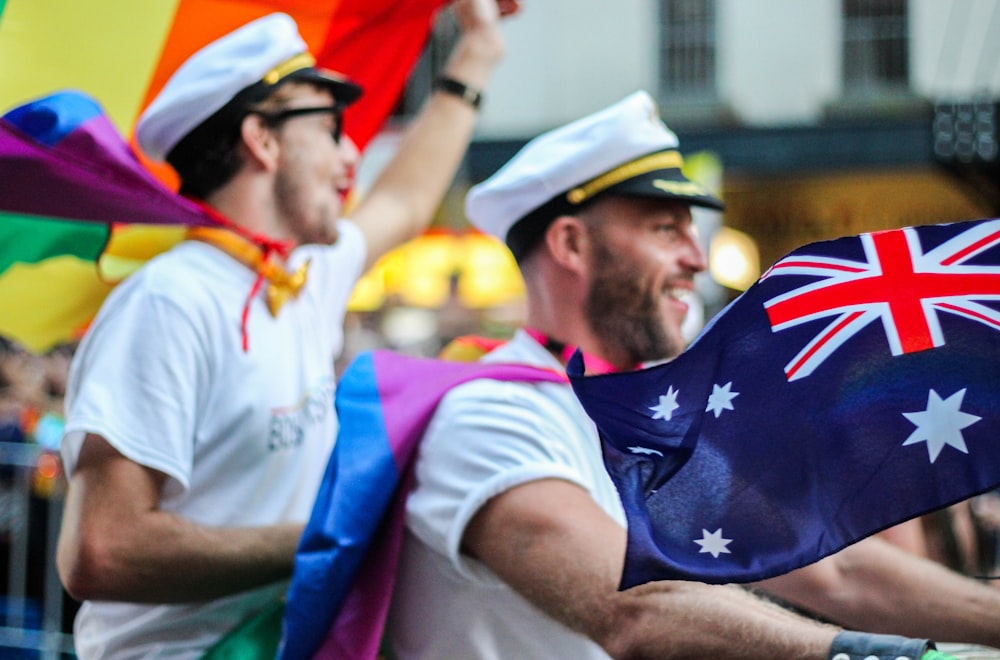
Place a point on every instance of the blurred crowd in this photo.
(32, 388)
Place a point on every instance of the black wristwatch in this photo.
(458, 88)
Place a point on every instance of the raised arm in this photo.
(402, 201)
(554, 545)
(115, 547)
(879, 587)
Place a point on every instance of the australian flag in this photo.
(854, 386)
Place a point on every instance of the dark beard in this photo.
(624, 314)
(289, 195)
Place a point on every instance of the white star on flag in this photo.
(667, 405)
(941, 424)
(714, 543)
(721, 399)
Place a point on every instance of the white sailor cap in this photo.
(625, 149)
(216, 85)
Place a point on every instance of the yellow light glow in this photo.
(734, 260)
(489, 274)
(428, 270)
(369, 292)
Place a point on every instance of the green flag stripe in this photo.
(31, 239)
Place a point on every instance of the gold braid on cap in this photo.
(658, 161)
(300, 61)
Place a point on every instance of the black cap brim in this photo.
(667, 184)
(663, 183)
(344, 90)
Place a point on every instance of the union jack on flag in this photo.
(897, 283)
(795, 425)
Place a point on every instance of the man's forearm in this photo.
(875, 586)
(167, 559)
(690, 620)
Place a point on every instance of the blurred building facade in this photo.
(821, 117)
(822, 112)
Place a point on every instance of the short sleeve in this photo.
(145, 366)
(486, 437)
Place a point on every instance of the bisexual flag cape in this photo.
(346, 562)
(79, 207)
(854, 386)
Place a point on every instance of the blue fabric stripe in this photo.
(52, 118)
(361, 470)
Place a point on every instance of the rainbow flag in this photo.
(68, 182)
(122, 52)
(346, 562)
(73, 185)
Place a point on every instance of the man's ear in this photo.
(566, 239)
(259, 141)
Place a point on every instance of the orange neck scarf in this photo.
(256, 253)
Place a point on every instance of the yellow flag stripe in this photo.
(106, 48)
(44, 304)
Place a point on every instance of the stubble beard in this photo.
(624, 313)
(290, 199)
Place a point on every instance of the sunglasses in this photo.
(272, 119)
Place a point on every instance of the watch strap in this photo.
(458, 88)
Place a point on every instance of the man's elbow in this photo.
(85, 567)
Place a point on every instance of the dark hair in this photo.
(208, 157)
(206, 160)
(526, 234)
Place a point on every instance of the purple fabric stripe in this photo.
(91, 174)
(400, 376)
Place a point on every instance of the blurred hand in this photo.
(474, 14)
(508, 7)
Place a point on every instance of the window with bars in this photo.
(688, 50)
(875, 46)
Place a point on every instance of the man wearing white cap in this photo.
(200, 412)
(516, 536)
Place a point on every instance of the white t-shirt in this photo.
(485, 438)
(243, 437)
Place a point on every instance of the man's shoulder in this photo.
(185, 269)
(488, 402)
